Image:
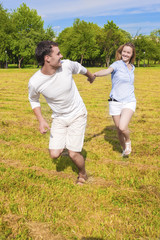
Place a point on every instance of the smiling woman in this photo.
(122, 102)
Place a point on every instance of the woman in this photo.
(122, 101)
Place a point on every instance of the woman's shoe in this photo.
(127, 150)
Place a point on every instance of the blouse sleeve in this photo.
(114, 66)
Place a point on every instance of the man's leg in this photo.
(57, 138)
(55, 153)
(78, 160)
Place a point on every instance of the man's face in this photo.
(55, 58)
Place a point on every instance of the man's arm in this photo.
(43, 125)
(90, 76)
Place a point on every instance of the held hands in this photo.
(43, 126)
(91, 78)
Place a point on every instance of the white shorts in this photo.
(115, 108)
(68, 132)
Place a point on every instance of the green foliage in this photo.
(79, 42)
(28, 32)
(112, 37)
(147, 48)
(20, 33)
(155, 40)
(85, 42)
(5, 30)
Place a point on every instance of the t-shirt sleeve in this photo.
(33, 96)
(77, 68)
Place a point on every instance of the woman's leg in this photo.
(116, 120)
(122, 122)
(125, 118)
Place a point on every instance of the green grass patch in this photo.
(39, 198)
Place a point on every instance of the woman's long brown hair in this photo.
(118, 55)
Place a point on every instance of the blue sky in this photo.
(135, 16)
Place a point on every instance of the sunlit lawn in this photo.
(39, 198)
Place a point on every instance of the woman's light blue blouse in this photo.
(122, 82)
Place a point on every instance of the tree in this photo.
(155, 37)
(110, 39)
(5, 35)
(65, 42)
(84, 40)
(141, 45)
(79, 42)
(28, 31)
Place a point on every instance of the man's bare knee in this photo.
(55, 153)
(73, 154)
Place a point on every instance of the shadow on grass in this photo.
(110, 135)
(64, 161)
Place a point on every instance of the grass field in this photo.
(39, 198)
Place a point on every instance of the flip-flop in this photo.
(81, 179)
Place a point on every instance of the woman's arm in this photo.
(103, 72)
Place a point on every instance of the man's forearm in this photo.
(89, 74)
(43, 125)
(37, 112)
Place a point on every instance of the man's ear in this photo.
(47, 58)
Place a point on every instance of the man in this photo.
(54, 81)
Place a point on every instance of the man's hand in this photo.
(91, 78)
(43, 126)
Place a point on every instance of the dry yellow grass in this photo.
(39, 198)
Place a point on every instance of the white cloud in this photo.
(65, 10)
(144, 24)
(85, 8)
(140, 27)
(56, 27)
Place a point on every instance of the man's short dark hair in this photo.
(44, 48)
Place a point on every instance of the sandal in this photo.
(81, 179)
(127, 150)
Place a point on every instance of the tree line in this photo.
(85, 42)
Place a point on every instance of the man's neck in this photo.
(48, 71)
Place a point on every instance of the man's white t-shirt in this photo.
(59, 90)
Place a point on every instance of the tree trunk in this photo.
(138, 63)
(81, 59)
(107, 61)
(19, 62)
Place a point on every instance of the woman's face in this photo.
(127, 53)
